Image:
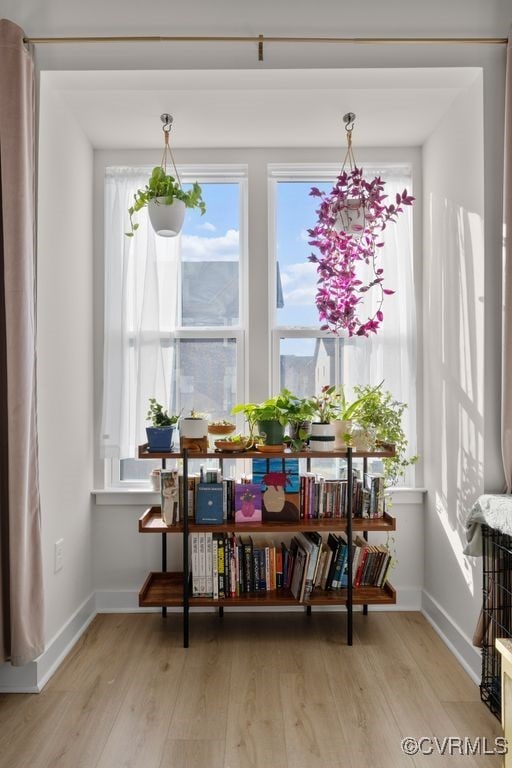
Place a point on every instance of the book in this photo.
(215, 566)
(169, 484)
(374, 486)
(279, 480)
(208, 563)
(247, 567)
(221, 565)
(312, 543)
(248, 505)
(202, 563)
(194, 545)
(301, 560)
(209, 503)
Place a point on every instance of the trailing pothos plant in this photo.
(162, 184)
(348, 236)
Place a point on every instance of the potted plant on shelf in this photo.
(159, 434)
(268, 418)
(300, 411)
(347, 413)
(381, 414)
(326, 408)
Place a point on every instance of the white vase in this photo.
(341, 427)
(166, 220)
(193, 427)
(322, 436)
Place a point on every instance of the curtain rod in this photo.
(263, 39)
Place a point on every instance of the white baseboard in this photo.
(452, 635)
(32, 677)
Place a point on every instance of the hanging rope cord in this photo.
(349, 120)
(167, 154)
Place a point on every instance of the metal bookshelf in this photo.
(172, 589)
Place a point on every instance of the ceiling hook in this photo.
(349, 120)
(166, 119)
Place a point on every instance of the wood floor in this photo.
(265, 691)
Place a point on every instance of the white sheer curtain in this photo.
(390, 355)
(141, 279)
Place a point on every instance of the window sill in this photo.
(112, 497)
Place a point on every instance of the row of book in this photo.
(321, 498)
(213, 500)
(227, 565)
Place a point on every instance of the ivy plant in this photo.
(162, 184)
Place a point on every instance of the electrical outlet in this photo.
(58, 563)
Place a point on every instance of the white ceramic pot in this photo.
(322, 436)
(166, 220)
(193, 427)
(351, 218)
(341, 427)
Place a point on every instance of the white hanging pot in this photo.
(350, 217)
(166, 220)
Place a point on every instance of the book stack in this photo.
(237, 565)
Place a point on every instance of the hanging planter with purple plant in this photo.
(348, 236)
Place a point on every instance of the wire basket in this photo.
(496, 611)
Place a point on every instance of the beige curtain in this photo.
(21, 592)
(506, 412)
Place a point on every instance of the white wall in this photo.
(65, 357)
(455, 380)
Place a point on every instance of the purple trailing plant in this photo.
(347, 235)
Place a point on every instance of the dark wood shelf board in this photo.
(151, 522)
(165, 589)
(383, 453)
(162, 589)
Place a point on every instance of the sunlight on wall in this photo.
(456, 543)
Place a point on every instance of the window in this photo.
(185, 324)
(304, 358)
(174, 327)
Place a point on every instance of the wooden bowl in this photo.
(221, 429)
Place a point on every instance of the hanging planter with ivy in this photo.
(348, 237)
(163, 194)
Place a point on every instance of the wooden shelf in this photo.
(385, 451)
(166, 589)
(151, 522)
(162, 589)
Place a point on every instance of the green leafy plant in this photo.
(379, 410)
(349, 410)
(298, 409)
(158, 416)
(162, 184)
(326, 405)
(273, 409)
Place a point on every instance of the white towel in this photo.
(492, 509)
